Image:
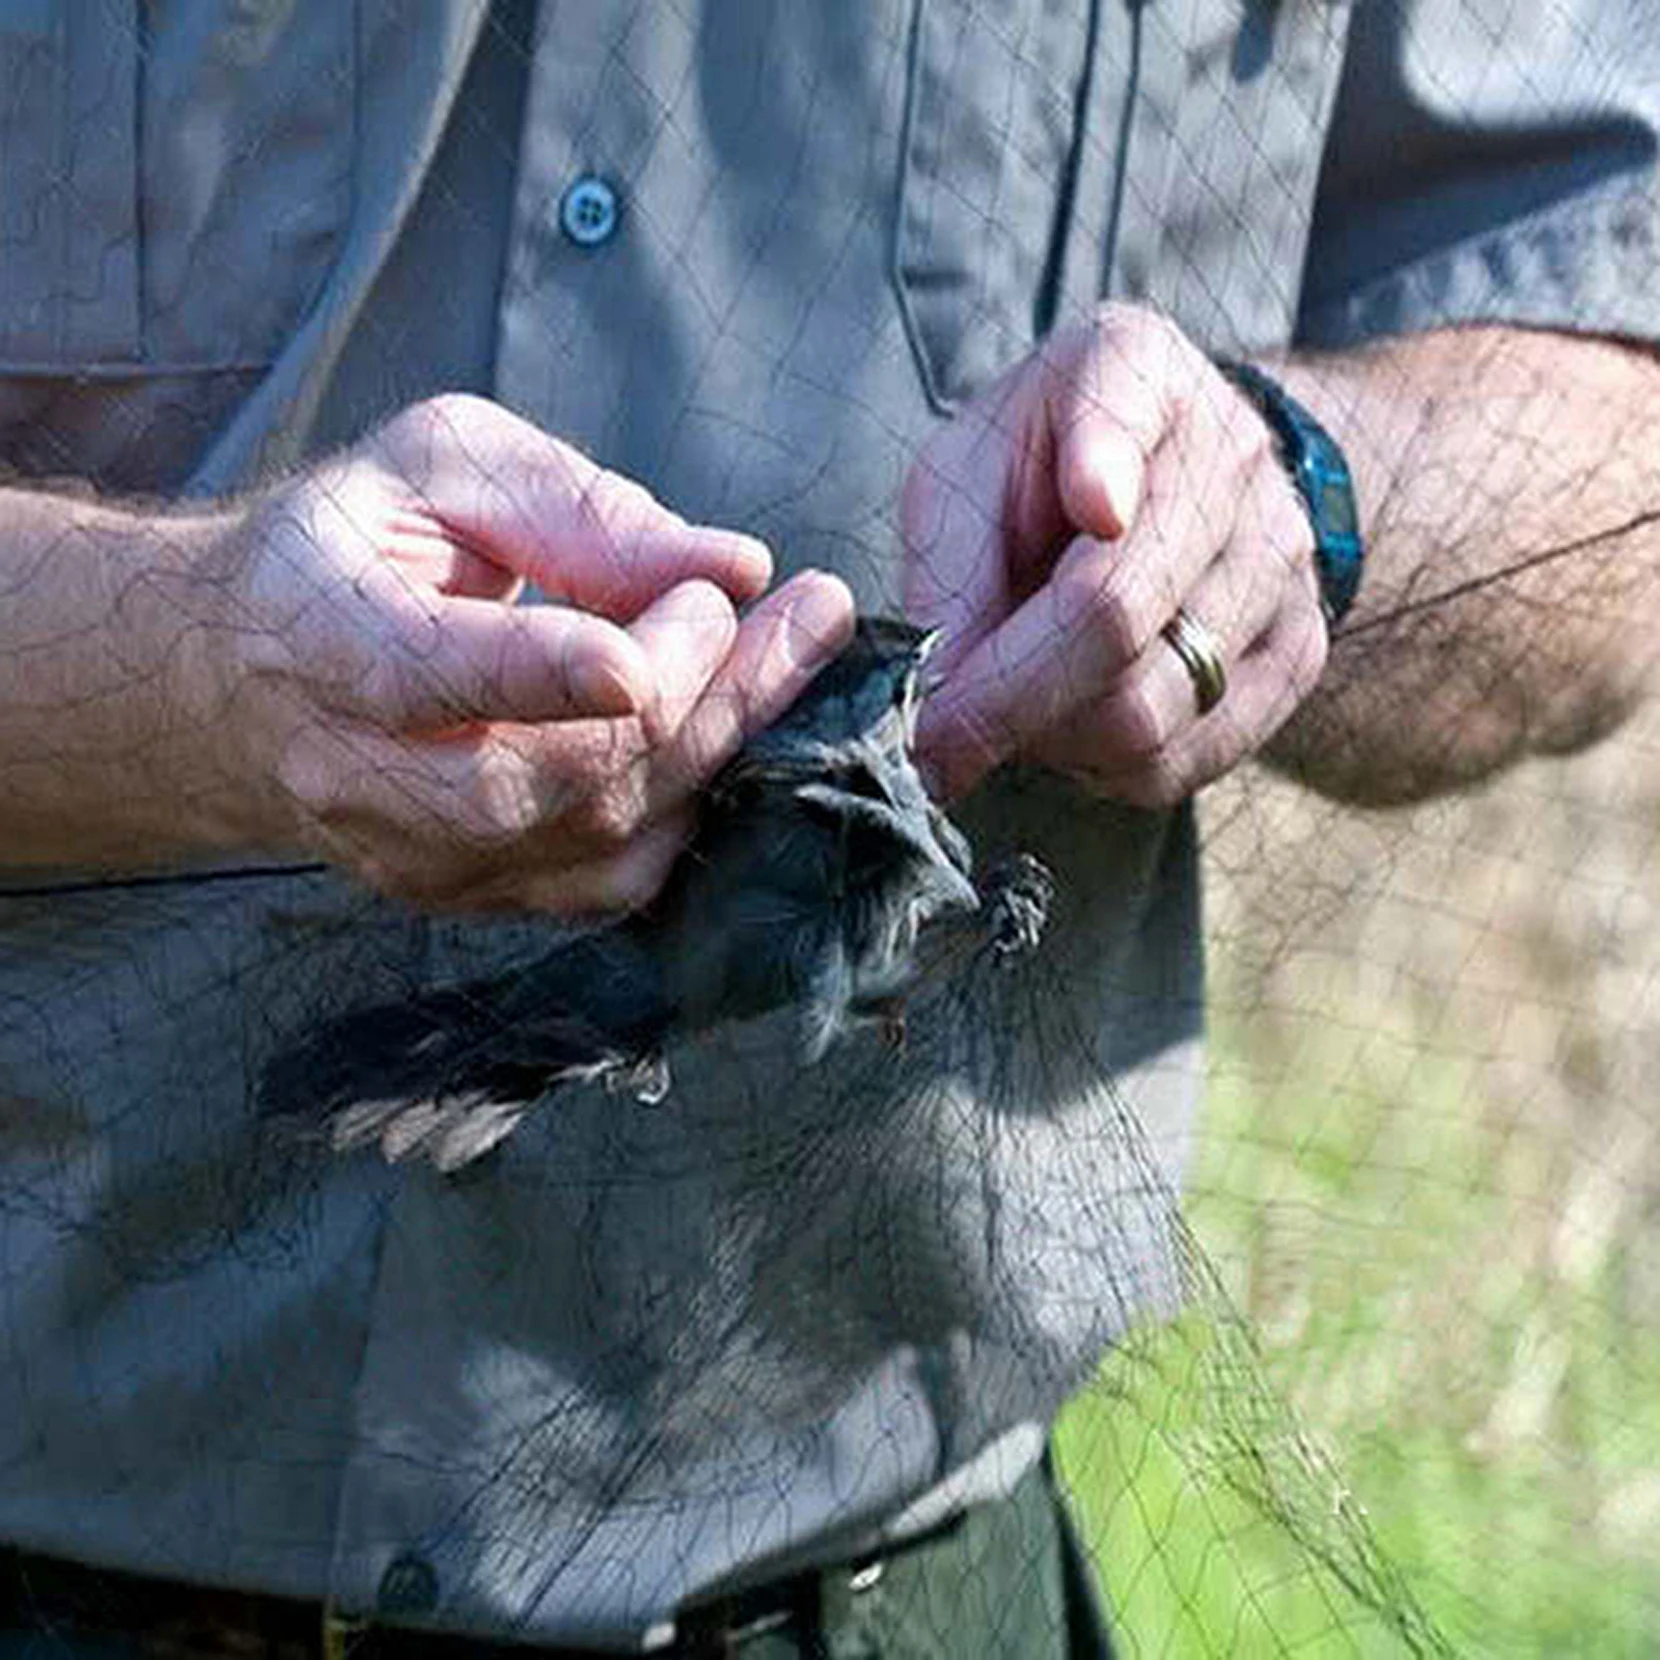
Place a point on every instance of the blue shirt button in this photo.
(588, 212)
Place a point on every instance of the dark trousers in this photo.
(1004, 1581)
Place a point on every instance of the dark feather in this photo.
(818, 859)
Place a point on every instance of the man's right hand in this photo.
(345, 668)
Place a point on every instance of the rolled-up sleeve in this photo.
(1490, 162)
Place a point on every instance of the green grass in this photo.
(1460, 1317)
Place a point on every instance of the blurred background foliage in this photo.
(1429, 1179)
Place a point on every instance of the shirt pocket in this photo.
(175, 179)
(991, 134)
(1222, 158)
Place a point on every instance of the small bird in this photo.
(818, 858)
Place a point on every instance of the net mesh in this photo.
(1366, 1358)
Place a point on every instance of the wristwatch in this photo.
(1321, 475)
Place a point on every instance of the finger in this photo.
(1266, 568)
(434, 556)
(1144, 713)
(1265, 686)
(626, 881)
(775, 652)
(1072, 640)
(410, 660)
(543, 510)
(476, 577)
(986, 508)
(685, 636)
(440, 811)
(1109, 404)
(782, 643)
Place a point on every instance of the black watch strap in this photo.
(1320, 472)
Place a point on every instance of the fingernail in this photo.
(756, 557)
(819, 618)
(613, 682)
(1118, 469)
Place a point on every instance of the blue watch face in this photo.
(1337, 507)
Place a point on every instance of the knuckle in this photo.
(1312, 654)
(303, 777)
(613, 508)
(612, 886)
(412, 445)
(1284, 523)
(385, 685)
(1125, 316)
(420, 424)
(1140, 723)
(1110, 603)
(1144, 330)
(595, 501)
(633, 886)
(608, 817)
(444, 412)
(1297, 541)
(1254, 444)
(504, 810)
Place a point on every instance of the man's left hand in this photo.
(1053, 530)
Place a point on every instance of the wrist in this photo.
(110, 755)
(190, 611)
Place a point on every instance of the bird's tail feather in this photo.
(450, 1072)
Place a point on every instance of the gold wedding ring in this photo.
(1201, 656)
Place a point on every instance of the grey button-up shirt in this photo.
(643, 1353)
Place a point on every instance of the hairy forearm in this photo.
(106, 753)
(1509, 483)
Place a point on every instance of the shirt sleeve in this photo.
(1490, 163)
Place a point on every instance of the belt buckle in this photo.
(757, 1626)
(717, 1630)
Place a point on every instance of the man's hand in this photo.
(458, 749)
(338, 664)
(1053, 530)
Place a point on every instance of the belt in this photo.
(721, 1628)
(1004, 1577)
(157, 1619)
